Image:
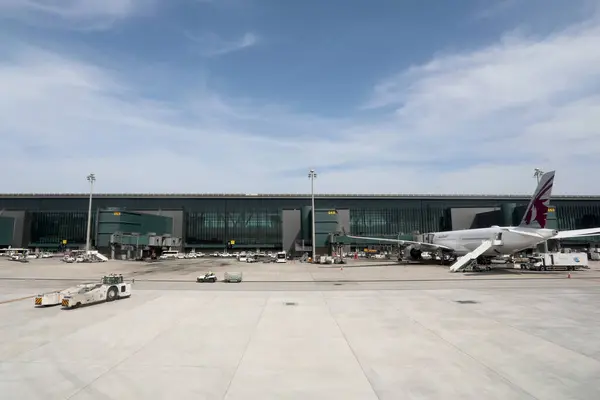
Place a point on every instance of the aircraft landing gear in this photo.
(447, 258)
(475, 266)
(484, 260)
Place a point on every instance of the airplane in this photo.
(483, 244)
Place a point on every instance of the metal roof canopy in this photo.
(288, 195)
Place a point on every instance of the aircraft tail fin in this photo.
(536, 213)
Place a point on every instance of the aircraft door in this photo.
(498, 239)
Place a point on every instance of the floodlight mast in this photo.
(313, 175)
(538, 174)
(91, 179)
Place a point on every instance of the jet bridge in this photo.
(342, 238)
(337, 241)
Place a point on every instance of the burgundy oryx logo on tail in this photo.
(538, 206)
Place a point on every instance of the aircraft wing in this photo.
(577, 233)
(401, 242)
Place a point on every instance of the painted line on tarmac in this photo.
(47, 279)
(376, 280)
(14, 300)
(545, 289)
(519, 278)
(26, 297)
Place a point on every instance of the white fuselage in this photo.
(505, 240)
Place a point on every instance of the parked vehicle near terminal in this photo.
(193, 254)
(84, 256)
(281, 257)
(169, 255)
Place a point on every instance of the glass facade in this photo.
(255, 221)
(248, 228)
(398, 220)
(577, 214)
(51, 228)
(388, 218)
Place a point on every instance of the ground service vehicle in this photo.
(56, 297)
(48, 299)
(552, 261)
(281, 257)
(232, 277)
(111, 288)
(208, 277)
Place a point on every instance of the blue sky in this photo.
(245, 96)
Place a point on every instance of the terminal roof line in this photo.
(405, 196)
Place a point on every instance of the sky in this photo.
(246, 96)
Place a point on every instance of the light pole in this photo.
(538, 174)
(312, 175)
(91, 179)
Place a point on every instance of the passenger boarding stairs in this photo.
(467, 259)
(94, 255)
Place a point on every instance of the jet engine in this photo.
(412, 253)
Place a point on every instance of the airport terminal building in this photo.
(278, 221)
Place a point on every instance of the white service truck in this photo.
(281, 257)
(112, 287)
(554, 261)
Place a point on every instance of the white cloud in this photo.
(73, 14)
(212, 45)
(495, 8)
(477, 122)
(66, 117)
(531, 101)
(516, 72)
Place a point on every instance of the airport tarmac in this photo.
(302, 332)
(187, 270)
